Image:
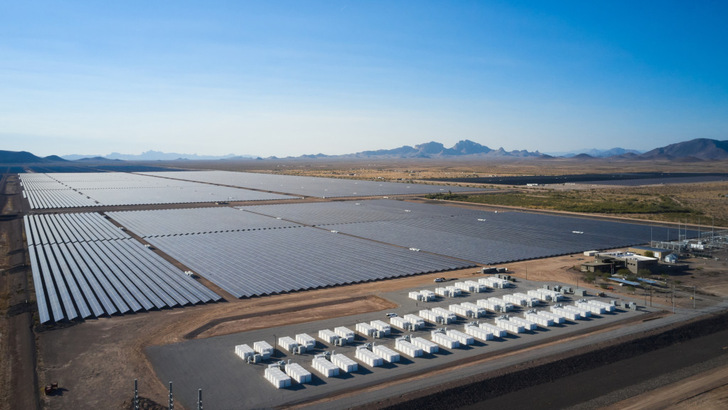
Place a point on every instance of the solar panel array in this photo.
(43, 192)
(473, 235)
(353, 212)
(84, 266)
(308, 186)
(194, 220)
(69, 190)
(261, 262)
(493, 238)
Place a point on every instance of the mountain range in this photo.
(700, 149)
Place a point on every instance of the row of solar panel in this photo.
(57, 198)
(308, 186)
(272, 261)
(91, 279)
(62, 191)
(194, 220)
(66, 228)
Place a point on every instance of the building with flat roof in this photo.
(613, 261)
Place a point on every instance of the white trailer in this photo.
(557, 319)
(447, 316)
(287, 343)
(442, 292)
(307, 342)
(298, 373)
(416, 321)
(276, 377)
(407, 348)
(415, 295)
(345, 334)
(344, 363)
(365, 329)
(478, 333)
(442, 339)
(495, 330)
(244, 352)
(426, 345)
(382, 327)
(386, 353)
(328, 336)
(512, 327)
(325, 367)
(538, 319)
(264, 349)
(368, 357)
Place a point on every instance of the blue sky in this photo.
(301, 77)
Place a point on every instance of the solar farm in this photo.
(101, 246)
(83, 259)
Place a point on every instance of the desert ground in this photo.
(107, 354)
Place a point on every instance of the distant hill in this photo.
(24, 157)
(464, 148)
(598, 153)
(155, 156)
(697, 149)
(98, 159)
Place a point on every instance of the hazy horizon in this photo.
(337, 77)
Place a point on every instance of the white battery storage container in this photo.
(495, 330)
(344, 363)
(345, 333)
(325, 367)
(365, 329)
(444, 340)
(478, 333)
(557, 319)
(426, 345)
(565, 313)
(276, 377)
(368, 357)
(244, 351)
(308, 342)
(298, 373)
(328, 336)
(381, 326)
(461, 337)
(264, 349)
(407, 348)
(416, 321)
(386, 353)
(287, 343)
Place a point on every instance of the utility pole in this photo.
(693, 296)
(171, 397)
(136, 395)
